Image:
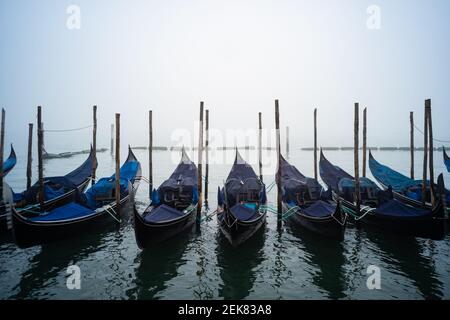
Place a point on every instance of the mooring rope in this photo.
(434, 139)
(67, 130)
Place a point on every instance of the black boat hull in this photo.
(150, 234)
(329, 227)
(27, 233)
(48, 205)
(423, 227)
(240, 231)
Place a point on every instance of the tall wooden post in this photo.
(411, 142)
(94, 143)
(431, 151)
(2, 150)
(118, 163)
(315, 145)
(200, 158)
(287, 141)
(30, 155)
(206, 157)
(425, 157)
(364, 142)
(356, 160)
(112, 139)
(150, 153)
(279, 173)
(260, 147)
(40, 162)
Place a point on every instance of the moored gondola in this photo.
(77, 213)
(306, 203)
(379, 208)
(172, 209)
(58, 190)
(446, 159)
(405, 189)
(241, 210)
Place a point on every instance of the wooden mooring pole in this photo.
(315, 145)
(200, 158)
(150, 153)
(2, 150)
(112, 139)
(40, 160)
(279, 173)
(287, 141)
(206, 157)
(118, 164)
(425, 157)
(356, 160)
(260, 147)
(30, 155)
(411, 142)
(94, 142)
(431, 151)
(364, 148)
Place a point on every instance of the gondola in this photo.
(78, 212)
(57, 190)
(380, 209)
(241, 210)
(173, 206)
(10, 163)
(405, 189)
(446, 159)
(306, 203)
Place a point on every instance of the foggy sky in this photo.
(237, 56)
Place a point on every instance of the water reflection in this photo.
(408, 256)
(54, 258)
(158, 265)
(327, 255)
(238, 265)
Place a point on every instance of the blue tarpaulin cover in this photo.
(243, 212)
(68, 211)
(446, 160)
(395, 208)
(10, 163)
(243, 183)
(320, 209)
(163, 213)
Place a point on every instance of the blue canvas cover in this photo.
(182, 185)
(242, 184)
(320, 209)
(399, 182)
(10, 163)
(243, 212)
(395, 208)
(69, 211)
(53, 187)
(295, 186)
(446, 160)
(163, 213)
(83, 172)
(331, 174)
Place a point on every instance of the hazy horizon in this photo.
(236, 56)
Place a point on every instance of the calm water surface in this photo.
(286, 264)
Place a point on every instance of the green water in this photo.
(276, 264)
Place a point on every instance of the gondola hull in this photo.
(48, 205)
(423, 227)
(150, 234)
(27, 233)
(329, 227)
(240, 231)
